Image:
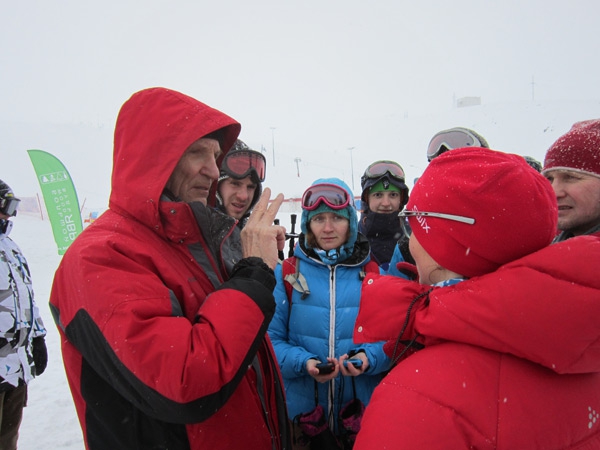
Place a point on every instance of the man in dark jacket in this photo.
(162, 347)
(572, 165)
(384, 194)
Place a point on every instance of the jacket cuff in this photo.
(256, 269)
(255, 279)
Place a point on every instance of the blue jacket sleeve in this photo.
(392, 269)
(292, 358)
(378, 361)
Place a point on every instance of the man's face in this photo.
(578, 197)
(195, 171)
(237, 195)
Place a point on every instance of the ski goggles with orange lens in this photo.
(451, 139)
(332, 195)
(9, 205)
(381, 168)
(240, 164)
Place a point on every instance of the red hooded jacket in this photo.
(511, 358)
(159, 350)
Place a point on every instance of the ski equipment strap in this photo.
(293, 279)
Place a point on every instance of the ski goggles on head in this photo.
(9, 205)
(381, 168)
(418, 214)
(332, 195)
(450, 139)
(240, 164)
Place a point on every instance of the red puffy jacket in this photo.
(159, 350)
(511, 359)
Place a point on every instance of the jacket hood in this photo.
(543, 307)
(153, 130)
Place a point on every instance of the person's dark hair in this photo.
(533, 163)
(218, 135)
(8, 202)
(310, 239)
(4, 189)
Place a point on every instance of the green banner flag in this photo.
(60, 198)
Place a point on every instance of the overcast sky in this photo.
(293, 64)
(312, 74)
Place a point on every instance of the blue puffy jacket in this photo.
(321, 325)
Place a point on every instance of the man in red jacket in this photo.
(572, 165)
(162, 348)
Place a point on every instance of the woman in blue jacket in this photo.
(315, 325)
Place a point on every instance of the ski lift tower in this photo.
(297, 160)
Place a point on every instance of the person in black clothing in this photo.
(384, 194)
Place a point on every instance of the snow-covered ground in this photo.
(49, 420)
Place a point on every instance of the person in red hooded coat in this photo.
(162, 348)
(498, 345)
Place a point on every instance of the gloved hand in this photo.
(403, 246)
(409, 271)
(40, 354)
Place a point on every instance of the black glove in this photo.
(403, 245)
(256, 269)
(40, 354)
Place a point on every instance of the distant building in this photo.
(468, 101)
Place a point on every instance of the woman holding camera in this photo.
(318, 296)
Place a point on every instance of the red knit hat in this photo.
(514, 208)
(578, 150)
